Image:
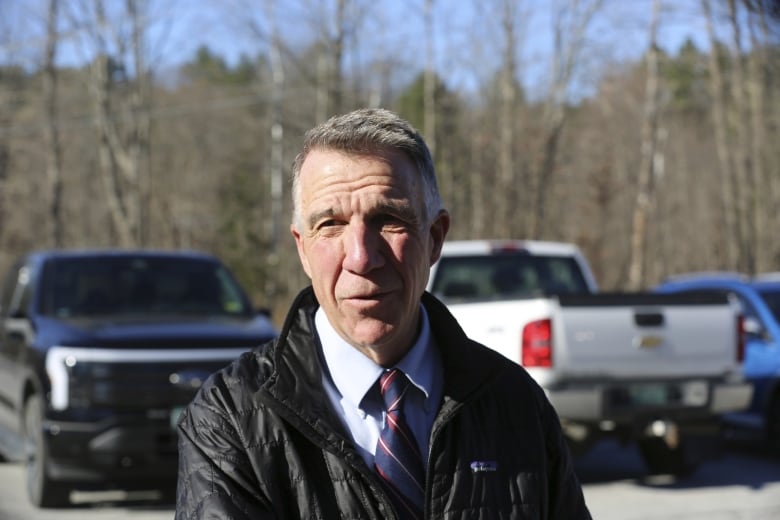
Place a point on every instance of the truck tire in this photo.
(773, 424)
(168, 494)
(660, 458)
(42, 491)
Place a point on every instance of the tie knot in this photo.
(393, 385)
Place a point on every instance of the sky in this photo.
(462, 54)
(619, 33)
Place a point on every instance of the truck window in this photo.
(507, 275)
(122, 285)
(772, 300)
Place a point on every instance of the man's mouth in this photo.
(369, 296)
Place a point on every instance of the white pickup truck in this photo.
(645, 367)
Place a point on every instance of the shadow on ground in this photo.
(748, 464)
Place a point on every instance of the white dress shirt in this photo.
(350, 384)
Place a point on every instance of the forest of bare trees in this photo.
(654, 163)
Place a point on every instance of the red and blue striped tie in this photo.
(398, 460)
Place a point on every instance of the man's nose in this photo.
(362, 246)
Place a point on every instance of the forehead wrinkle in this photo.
(355, 189)
(401, 208)
(397, 193)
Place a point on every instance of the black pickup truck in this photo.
(99, 352)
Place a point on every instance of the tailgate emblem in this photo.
(648, 341)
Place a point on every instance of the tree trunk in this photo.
(757, 62)
(744, 170)
(52, 135)
(277, 156)
(571, 24)
(766, 122)
(140, 143)
(123, 134)
(729, 191)
(645, 174)
(429, 80)
(107, 150)
(506, 205)
(336, 63)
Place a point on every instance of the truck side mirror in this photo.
(752, 327)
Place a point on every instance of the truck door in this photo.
(14, 326)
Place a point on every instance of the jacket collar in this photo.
(296, 381)
(467, 365)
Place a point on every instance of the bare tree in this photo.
(54, 152)
(764, 118)
(429, 97)
(730, 190)
(743, 166)
(508, 100)
(277, 149)
(330, 61)
(571, 22)
(119, 85)
(7, 104)
(757, 62)
(222, 134)
(647, 164)
(140, 109)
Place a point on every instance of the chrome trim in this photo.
(59, 358)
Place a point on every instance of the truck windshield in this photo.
(507, 275)
(133, 285)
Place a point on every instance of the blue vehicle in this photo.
(759, 298)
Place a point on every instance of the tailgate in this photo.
(645, 337)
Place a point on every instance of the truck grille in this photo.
(134, 386)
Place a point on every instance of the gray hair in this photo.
(366, 131)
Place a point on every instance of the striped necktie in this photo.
(398, 460)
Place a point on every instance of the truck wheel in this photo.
(773, 424)
(42, 491)
(168, 494)
(660, 458)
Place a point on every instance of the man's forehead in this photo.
(356, 171)
(377, 154)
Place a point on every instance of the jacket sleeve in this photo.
(566, 500)
(215, 479)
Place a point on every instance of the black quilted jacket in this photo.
(261, 439)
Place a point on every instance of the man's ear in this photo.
(301, 252)
(439, 229)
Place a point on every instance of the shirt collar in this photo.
(354, 374)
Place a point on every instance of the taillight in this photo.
(537, 344)
(741, 334)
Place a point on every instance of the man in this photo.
(372, 403)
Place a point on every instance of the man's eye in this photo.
(328, 224)
(391, 221)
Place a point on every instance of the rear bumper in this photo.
(636, 401)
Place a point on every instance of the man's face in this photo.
(364, 242)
